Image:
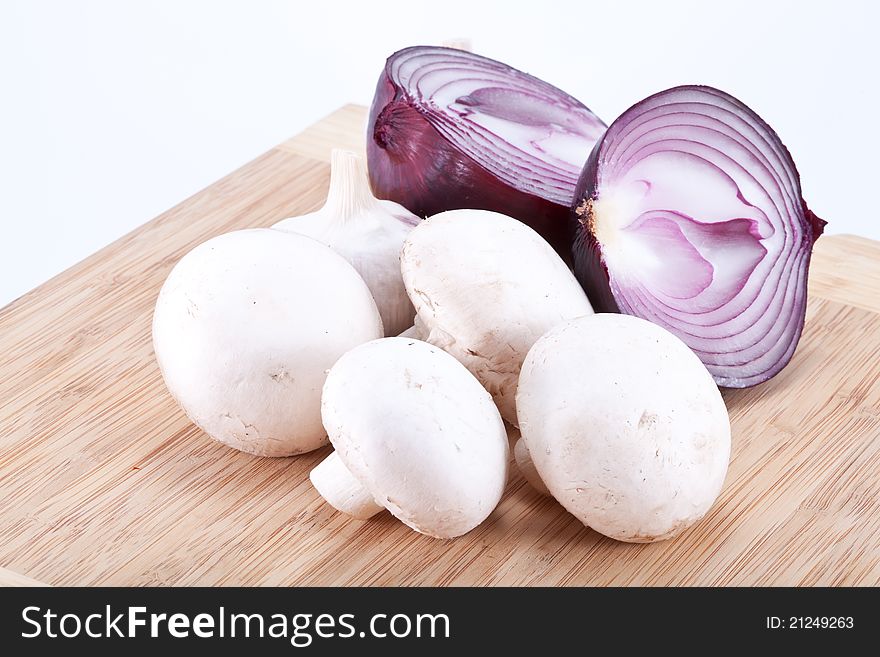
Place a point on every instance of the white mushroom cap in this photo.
(625, 426)
(245, 328)
(417, 432)
(485, 287)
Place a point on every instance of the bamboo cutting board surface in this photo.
(103, 481)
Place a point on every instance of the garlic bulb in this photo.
(367, 232)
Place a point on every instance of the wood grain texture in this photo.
(344, 128)
(9, 578)
(103, 481)
(846, 268)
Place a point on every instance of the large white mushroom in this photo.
(245, 328)
(625, 426)
(485, 287)
(414, 433)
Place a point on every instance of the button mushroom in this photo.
(414, 433)
(485, 287)
(245, 328)
(625, 426)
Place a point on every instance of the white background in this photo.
(111, 112)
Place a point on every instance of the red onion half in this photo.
(691, 216)
(450, 130)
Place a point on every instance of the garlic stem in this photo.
(349, 194)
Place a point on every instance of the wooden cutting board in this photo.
(103, 481)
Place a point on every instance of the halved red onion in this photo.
(449, 129)
(691, 216)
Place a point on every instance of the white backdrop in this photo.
(111, 112)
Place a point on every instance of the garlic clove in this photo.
(367, 232)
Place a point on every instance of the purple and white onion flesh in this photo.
(689, 214)
(450, 130)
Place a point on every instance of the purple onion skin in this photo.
(412, 164)
(593, 274)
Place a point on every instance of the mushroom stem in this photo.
(411, 332)
(527, 467)
(341, 490)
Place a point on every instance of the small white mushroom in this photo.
(625, 426)
(414, 433)
(485, 287)
(245, 328)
